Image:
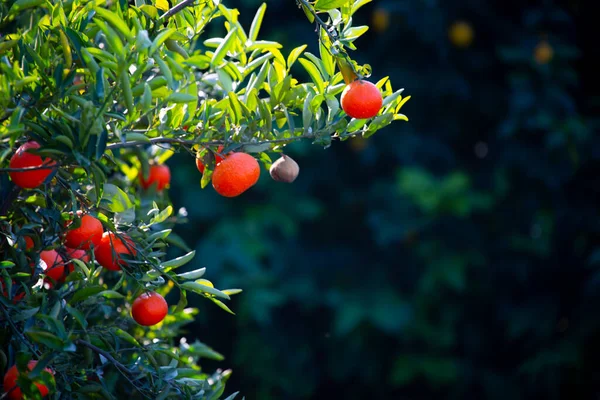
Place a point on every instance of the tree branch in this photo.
(174, 10)
(25, 169)
(185, 142)
(320, 22)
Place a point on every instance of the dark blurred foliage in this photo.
(455, 256)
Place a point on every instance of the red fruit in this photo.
(218, 159)
(28, 242)
(89, 232)
(108, 252)
(149, 309)
(235, 174)
(23, 159)
(10, 381)
(159, 175)
(55, 266)
(361, 100)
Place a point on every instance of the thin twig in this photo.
(324, 25)
(177, 8)
(185, 142)
(18, 332)
(25, 169)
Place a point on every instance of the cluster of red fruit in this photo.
(234, 173)
(80, 240)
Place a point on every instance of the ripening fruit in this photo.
(285, 169)
(24, 159)
(159, 175)
(235, 174)
(89, 232)
(149, 309)
(108, 252)
(461, 34)
(361, 99)
(55, 265)
(10, 381)
(543, 52)
(28, 243)
(218, 159)
(380, 20)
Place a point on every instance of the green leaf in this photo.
(85, 293)
(257, 21)
(46, 338)
(136, 137)
(127, 93)
(159, 235)
(324, 5)
(356, 124)
(78, 315)
(113, 38)
(160, 39)
(178, 262)
(110, 294)
(181, 98)
(236, 107)
(202, 289)
(21, 5)
(162, 216)
(354, 33)
(117, 198)
(6, 264)
(125, 336)
(223, 48)
(222, 305)
(115, 21)
(25, 314)
(264, 45)
(195, 274)
(314, 73)
(294, 54)
(231, 292)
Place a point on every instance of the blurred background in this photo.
(456, 256)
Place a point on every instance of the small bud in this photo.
(284, 170)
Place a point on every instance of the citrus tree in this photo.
(95, 96)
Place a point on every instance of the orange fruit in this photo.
(159, 175)
(380, 20)
(23, 159)
(55, 265)
(461, 34)
(89, 232)
(10, 382)
(218, 159)
(235, 174)
(108, 252)
(543, 52)
(361, 100)
(149, 309)
(28, 242)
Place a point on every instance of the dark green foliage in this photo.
(456, 257)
